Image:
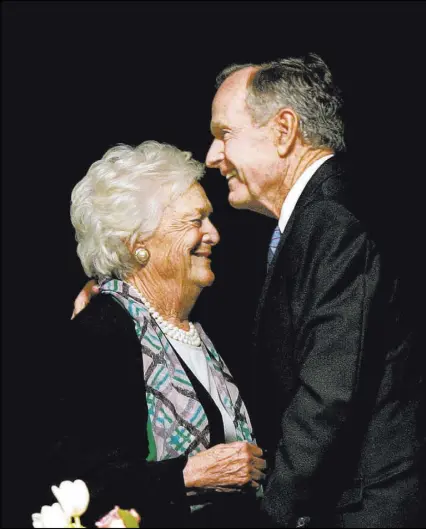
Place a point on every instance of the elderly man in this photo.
(338, 389)
(337, 382)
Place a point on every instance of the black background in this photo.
(81, 77)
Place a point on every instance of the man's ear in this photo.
(287, 128)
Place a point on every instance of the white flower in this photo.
(73, 497)
(50, 516)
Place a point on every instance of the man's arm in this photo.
(334, 295)
(90, 289)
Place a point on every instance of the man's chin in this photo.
(238, 201)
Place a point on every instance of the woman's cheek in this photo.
(177, 259)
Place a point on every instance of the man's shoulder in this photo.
(343, 188)
(338, 179)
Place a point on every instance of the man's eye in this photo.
(196, 222)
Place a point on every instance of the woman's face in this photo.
(181, 246)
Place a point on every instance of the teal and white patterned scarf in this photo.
(179, 423)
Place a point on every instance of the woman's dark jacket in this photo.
(100, 417)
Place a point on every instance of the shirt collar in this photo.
(293, 196)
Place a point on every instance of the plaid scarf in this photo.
(177, 419)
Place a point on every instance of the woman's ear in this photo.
(141, 255)
(138, 251)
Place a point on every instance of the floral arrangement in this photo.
(73, 499)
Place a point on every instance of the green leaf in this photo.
(128, 519)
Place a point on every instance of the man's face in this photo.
(244, 153)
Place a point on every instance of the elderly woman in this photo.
(150, 415)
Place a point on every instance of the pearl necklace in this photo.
(190, 337)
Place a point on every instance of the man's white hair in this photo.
(122, 199)
(304, 84)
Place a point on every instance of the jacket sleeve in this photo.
(334, 294)
(100, 417)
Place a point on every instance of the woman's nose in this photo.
(212, 235)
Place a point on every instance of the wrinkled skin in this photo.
(180, 263)
(90, 289)
(226, 466)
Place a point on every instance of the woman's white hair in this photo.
(122, 199)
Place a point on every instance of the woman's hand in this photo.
(90, 289)
(232, 465)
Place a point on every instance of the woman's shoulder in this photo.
(103, 316)
(101, 340)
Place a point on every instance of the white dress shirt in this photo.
(295, 192)
(196, 360)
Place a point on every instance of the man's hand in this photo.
(91, 288)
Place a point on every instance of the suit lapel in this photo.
(331, 167)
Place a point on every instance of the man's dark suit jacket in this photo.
(340, 390)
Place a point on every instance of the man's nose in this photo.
(215, 154)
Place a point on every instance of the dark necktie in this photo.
(273, 244)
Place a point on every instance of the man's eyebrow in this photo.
(216, 126)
